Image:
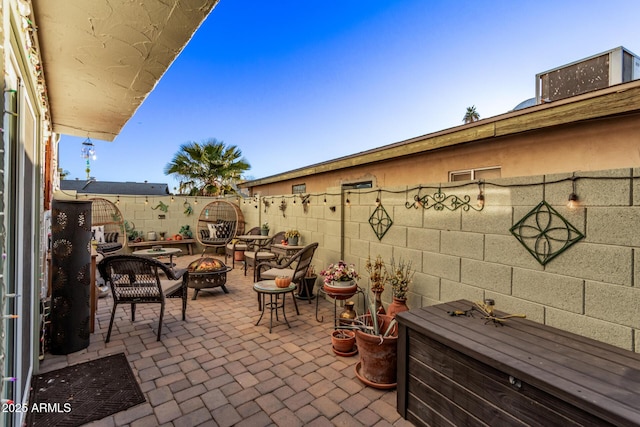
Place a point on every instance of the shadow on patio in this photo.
(219, 369)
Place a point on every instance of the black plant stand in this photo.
(305, 290)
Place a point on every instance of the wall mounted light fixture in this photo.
(480, 197)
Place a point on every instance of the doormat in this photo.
(82, 393)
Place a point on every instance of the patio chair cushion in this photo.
(111, 237)
(260, 256)
(107, 248)
(237, 246)
(218, 233)
(97, 233)
(213, 231)
(272, 273)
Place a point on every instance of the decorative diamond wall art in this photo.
(545, 233)
(380, 220)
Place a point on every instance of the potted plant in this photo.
(185, 232)
(132, 234)
(264, 229)
(400, 277)
(343, 342)
(309, 281)
(377, 342)
(292, 237)
(378, 275)
(340, 280)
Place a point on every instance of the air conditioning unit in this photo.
(609, 68)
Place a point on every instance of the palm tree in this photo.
(207, 169)
(471, 115)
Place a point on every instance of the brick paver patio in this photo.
(219, 369)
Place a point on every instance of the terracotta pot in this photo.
(238, 255)
(398, 305)
(378, 357)
(343, 340)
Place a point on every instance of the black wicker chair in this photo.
(136, 280)
(255, 254)
(296, 268)
(236, 245)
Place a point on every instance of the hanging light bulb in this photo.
(195, 202)
(146, 200)
(377, 201)
(480, 200)
(118, 200)
(172, 199)
(572, 203)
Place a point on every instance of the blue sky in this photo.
(293, 83)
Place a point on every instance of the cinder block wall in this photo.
(145, 213)
(592, 288)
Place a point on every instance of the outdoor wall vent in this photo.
(605, 69)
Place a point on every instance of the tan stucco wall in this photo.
(593, 145)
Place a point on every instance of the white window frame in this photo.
(472, 172)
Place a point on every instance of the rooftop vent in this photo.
(586, 75)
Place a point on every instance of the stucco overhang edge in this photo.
(615, 100)
(102, 58)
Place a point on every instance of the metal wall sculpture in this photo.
(71, 278)
(380, 220)
(439, 201)
(545, 233)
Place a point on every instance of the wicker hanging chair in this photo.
(107, 226)
(219, 222)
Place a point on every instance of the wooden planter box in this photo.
(461, 371)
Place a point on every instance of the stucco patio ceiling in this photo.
(102, 58)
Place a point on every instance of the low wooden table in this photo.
(462, 370)
(149, 243)
(170, 252)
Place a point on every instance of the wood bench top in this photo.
(160, 242)
(597, 377)
(187, 242)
